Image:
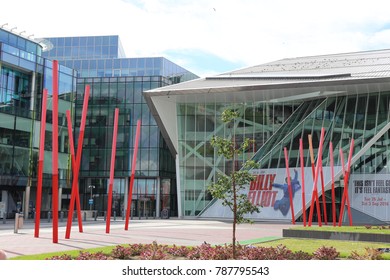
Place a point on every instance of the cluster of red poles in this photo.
(76, 161)
(317, 171)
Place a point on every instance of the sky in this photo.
(210, 37)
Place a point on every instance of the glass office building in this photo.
(279, 104)
(24, 73)
(118, 82)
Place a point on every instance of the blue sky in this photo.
(211, 36)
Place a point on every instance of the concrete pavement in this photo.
(169, 231)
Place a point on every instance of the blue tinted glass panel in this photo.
(75, 52)
(113, 51)
(108, 63)
(114, 40)
(90, 51)
(83, 52)
(117, 63)
(69, 64)
(68, 42)
(106, 40)
(105, 51)
(10, 58)
(157, 62)
(67, 51)
(92, 64)
(65, 83)
(124, 63)
(133, 63)
(60, 52)
(11, 50)
(141, 63)
(31, 47)
(12, 39)
(149, 62)
(76, 41)
(21, 43)
(3, 36)
(90, 41)
(108, 73)
(83, 41)
(27, 64)
(100, 64)
(77, 64)
(84, 64)
(98, 40)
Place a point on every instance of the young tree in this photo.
(228, 188)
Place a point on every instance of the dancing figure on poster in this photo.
(283, 204)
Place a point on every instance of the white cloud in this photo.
(245, 32)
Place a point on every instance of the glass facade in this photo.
(199, 164)
(24, 73)
(103, 56)
(153, 164)
(118, 82)
(280, 104)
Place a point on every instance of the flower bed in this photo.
(205, 251)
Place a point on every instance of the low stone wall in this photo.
(369, 237)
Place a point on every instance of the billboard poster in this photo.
(270, 192)
(370, 194)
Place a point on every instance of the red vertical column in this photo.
(289, 186)
(112, 170)
(75, 181)
(130, 194)
(55, 152)
(303, 181)
(332, 177)
(345, 197)
(72, 153)
(40, 164)
(314, 198)
(311, 155)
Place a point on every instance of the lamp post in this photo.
(91, 198)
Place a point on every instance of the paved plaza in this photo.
(168, 231)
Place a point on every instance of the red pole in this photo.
(130, 195)
(112, 169)
(78, 162)
(342, 196)
(345, 198)
(303, 181)
(346, 181)
(289, 186)
(315, 192)
(323, 195)
(55, 152)
(40, 164)
(333, 190)
(72, 153)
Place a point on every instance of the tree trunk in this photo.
(234, 220)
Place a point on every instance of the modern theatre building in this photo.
(279, 103)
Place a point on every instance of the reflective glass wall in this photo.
(199, 163)
(23, 75)
(155, 170)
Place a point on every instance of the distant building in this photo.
(280, 103)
